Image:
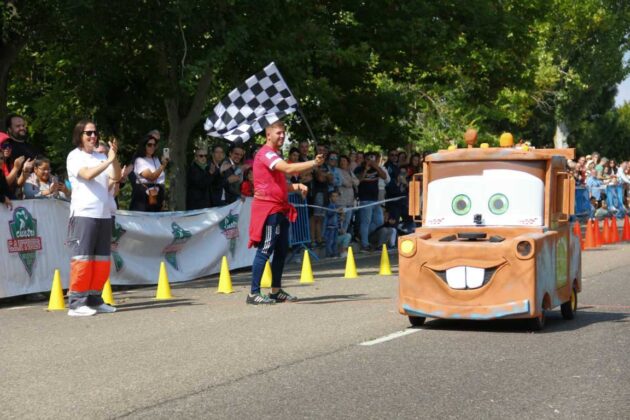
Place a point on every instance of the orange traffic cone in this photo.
(605, 231)
(598, 233)
(614, 230)
(578, 232)
(589, 238)
(626, 229)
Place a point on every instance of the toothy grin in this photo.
(466, 277)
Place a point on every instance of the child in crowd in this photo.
(247, 187)
(602, 211)
(336, 238)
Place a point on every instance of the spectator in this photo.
(334, 174)
(336, 238)
(42, 185)
(370, 216)
(199, 180)
(247, 187)
(318, 196)
(4, 188)
(217, 193)
(11, 168)
(232, 174)
(304, 148)
(622, 175)
(384, 181)
(395, 189)
(349, 183)
(594, 185)
(602, 211)
(402, 159)
(384, 234)
(294, 157)
(18, 133)
(415, 165)
(148, 190)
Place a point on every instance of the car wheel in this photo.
(538, 323)
(416, 321)
(569, 308)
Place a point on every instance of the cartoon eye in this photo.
(461, 204)
(498, 204)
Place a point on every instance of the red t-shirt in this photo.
(269, 185)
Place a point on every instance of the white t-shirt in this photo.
(89, 198)
(152, 164)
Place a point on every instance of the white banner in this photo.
(191, 243)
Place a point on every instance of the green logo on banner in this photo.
(229, 229)
(25, 241)
(180, 237)
(117, 233)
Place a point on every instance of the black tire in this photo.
(569, 308)
(538, 323)
(416, 321)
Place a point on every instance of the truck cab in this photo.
(495, 239)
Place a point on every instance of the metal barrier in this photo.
(582, 202)
(300, 230)
(615, 196)
(614, 199)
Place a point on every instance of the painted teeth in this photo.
(464, 277)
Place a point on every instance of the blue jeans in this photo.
(369, 219)
(275, 241)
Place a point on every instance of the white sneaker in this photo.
(82, 311)
(104, 309)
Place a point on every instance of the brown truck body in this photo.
(495, 240)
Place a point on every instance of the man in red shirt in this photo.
(271, 213)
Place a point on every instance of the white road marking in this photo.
(390, 337)
(17, 307)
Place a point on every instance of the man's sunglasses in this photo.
(90, 133)
(202, 156)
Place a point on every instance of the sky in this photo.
(623, 89)
(623, 93)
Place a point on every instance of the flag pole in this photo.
(308, 127)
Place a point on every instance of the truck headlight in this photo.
(525, 249)
(408, 247)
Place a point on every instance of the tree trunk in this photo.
(178, 137)
(561, 135)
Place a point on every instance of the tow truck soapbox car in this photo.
(495, 240)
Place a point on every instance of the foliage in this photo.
(384, 73)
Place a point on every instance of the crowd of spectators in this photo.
(346, 194)
(595, 174)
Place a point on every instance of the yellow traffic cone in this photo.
(107, 295)
(351, 267)
(163, 289)
(225, 281)
(266, 277)
(307, 271)
(385, 270)
(56, 302)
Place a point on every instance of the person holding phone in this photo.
(271, 213)
(42, 185)
(150, 177)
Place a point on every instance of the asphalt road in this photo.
(204, 355)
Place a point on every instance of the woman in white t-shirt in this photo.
(90, 224)
(148, 186)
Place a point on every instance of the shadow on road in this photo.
(154, 304)
(318, 300)
(554, 323)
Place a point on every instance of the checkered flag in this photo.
(262, 100)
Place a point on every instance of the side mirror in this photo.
(415, 197)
